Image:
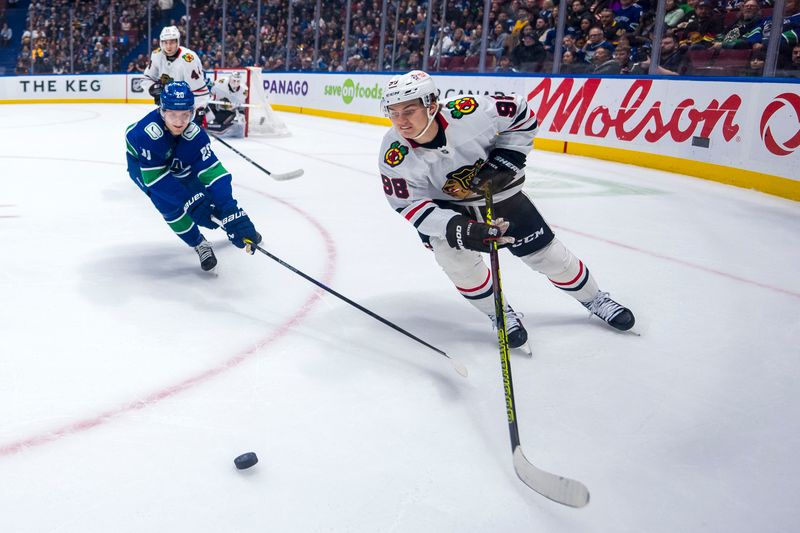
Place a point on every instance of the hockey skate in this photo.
(614, 314)
(517, 334)
(206, 254)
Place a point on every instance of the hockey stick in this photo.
(559, 489)
(280, 177)
(460, 368)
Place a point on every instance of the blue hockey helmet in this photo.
(177, 95)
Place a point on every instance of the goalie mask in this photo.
(235, 81)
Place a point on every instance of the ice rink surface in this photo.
(129, 379)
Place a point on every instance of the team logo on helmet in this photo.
(457, 184)
(462, 106)
(188, 58)
(395, 154)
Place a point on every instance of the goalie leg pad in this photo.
(564, 270)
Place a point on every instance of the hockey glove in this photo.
(200, 208)
(155, 92)
(498, 170)
(463, 233)
(240, 229)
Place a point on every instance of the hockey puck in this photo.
(246, 460)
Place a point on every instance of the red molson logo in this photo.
(767, 136)
(681, 123)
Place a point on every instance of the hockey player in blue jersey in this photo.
(171, 161)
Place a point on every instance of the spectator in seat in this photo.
(674, 14)
(792, 68)
(529, 55)
(603, 63)
(611, 28)
(755, 66)
(504, 65)
(622, 55)
(497, 41)
(628, 15)
(699, 29)
(674, 61)
(745, 31)
(568, 44)
(596, 40)
(6, 34)
(570, 64)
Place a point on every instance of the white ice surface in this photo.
(129, 380)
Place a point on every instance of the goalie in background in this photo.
(225, 116)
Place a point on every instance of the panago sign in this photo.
(745, 124)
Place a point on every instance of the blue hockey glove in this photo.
(498, 171)
(240, 229)
(200, 208)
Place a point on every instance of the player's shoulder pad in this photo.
(394, 150)
(155, 52)
(461, 106)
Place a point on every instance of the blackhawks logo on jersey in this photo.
(462, 106)
(457, 184)
(395, 154)
(188, 58)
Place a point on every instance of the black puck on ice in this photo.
(246, 460)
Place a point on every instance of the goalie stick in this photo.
(460, 368)
(559, 489)
(280, 177)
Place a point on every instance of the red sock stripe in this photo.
(479, 287)
(573, 280)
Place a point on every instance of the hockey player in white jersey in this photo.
(434, 163)
(172, 62)
(225, 114)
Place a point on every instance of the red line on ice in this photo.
(167, 392)
(685, 263)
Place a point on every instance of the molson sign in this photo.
(744, 125)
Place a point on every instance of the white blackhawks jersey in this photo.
(415, 177)
(222, 91)
(185, 67)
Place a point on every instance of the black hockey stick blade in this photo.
(561, 490)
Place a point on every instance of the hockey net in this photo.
(260, 119)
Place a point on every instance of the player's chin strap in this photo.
(431, 116)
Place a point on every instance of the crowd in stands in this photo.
(702, 37)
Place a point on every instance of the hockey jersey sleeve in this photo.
(516, 122)
(406, 191)
(153, 71)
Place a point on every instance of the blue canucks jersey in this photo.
(172, 169)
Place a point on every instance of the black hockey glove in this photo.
(240, 228)
(463, 233)
(155, 92)
(200, 209)
(498, 170)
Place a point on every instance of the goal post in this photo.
(260, 119)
